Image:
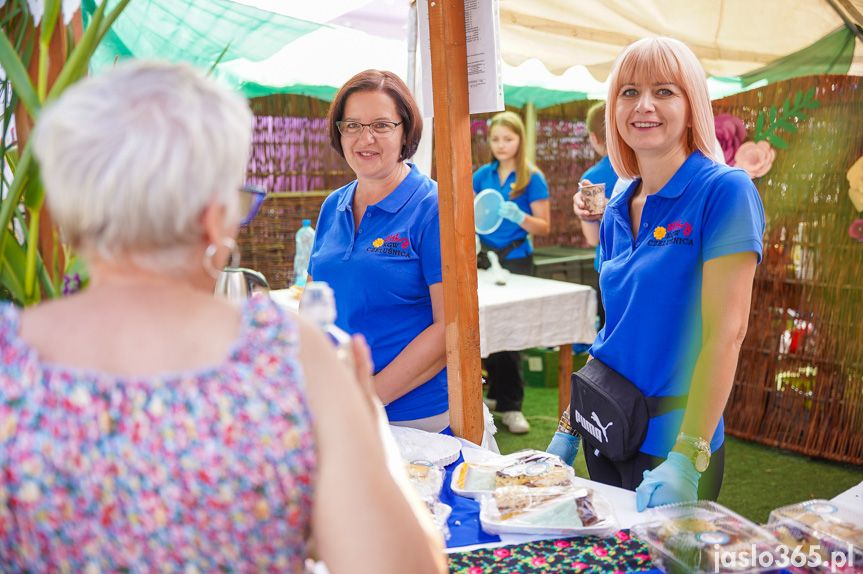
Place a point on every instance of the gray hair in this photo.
(130, 160)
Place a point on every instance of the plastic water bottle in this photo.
(305, 240)
(319, 305)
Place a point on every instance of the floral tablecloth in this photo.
(584, 555)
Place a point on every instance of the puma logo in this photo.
(597, 431)
(599, 424)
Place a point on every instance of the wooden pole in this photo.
(530, 131)
(455, 192)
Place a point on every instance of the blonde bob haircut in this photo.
(659, 60)
(523, 168)
(131, 158)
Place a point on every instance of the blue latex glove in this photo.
(509, 210)
(675, 480)
(565, 446)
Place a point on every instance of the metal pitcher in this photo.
(237, 284)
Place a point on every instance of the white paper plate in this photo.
(414, 444)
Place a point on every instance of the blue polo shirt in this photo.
(651, 285)
(381, 273)
(602, 172)
(486, 178)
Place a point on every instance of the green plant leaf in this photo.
(78, 61)
(812, 104)
(13, 196)
(810, 93)
(785, 125)
(786, 107)
(772, 114)
(801, 116)
(797, 97)
(759, 124)
(777, 141)
(12, 266)
(17, 74)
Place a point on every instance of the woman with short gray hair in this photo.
(146, 425)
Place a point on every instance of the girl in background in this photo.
(524, 211)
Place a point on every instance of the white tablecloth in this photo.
(527, 312)
(530, 312)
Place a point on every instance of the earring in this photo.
(211, 251)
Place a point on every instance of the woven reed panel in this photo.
(805, 394)
(563, 153)
(268, 243)
(290, 153)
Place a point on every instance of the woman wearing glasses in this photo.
(378, 246)
(146, 425)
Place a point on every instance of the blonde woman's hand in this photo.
(579, 208)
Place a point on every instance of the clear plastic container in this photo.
(547, 511)
(822, 536)
(701, 537)
(527, 467)
(305, 240)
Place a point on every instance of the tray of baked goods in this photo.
(824, 536)
(547, 510)
(701, 537)
(531, 468)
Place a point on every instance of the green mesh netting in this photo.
(195, 32)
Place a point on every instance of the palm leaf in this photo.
(17, 74)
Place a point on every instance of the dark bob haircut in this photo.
(390, 84)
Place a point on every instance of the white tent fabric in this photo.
(730, 37)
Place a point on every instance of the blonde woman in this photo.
(524, 211)
(678, 251)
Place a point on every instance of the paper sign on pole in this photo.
(484, 66)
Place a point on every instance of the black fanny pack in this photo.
(610, 413)
(482, 261)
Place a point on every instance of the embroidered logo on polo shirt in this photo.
(391, 245)
(676, 233)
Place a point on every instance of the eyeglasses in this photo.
(251, 197)
(379, 129)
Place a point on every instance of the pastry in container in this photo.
(552, 511)
(705, 537)
(823, 535)
(530, 468)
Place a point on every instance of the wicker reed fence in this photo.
(799, 385)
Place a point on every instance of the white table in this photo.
(531, 312)
(527, 312)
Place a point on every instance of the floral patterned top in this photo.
(202, 471)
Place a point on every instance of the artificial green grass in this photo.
(757, 478)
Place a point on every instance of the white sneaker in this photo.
(515, 422)
(490, 403)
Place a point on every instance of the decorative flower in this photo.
(756, 159)
(474, 570)
(71, 284)
(600, 552)
(561, 544)
(730, 132)
(659, 232)
(856, 230)
(501, 553)
(538, 561)
(855, 180)
(579, 565)
(622, 536)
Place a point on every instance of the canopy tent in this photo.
(311, 48)
(730, 37)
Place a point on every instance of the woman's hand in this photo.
(579, 208)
